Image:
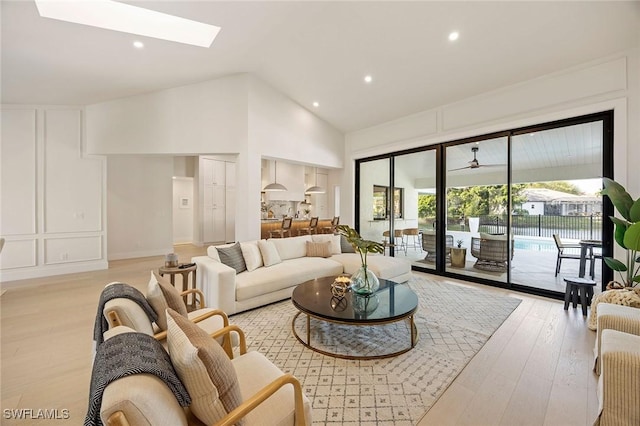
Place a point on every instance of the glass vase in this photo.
(364, 282)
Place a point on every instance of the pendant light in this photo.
(275, 186)
(315, 189)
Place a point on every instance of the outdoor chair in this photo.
(429, 245)
(491, 252)
(564, 255)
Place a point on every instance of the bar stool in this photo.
(415, 238)
(284, 231)
(331, 229)
(398, 239)
(311, 229)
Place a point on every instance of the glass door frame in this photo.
(606, 117)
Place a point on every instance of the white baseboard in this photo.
(18, 274)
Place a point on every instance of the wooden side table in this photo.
(172, 272)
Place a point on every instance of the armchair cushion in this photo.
(204, 368)
(232, 256)
(161, 294)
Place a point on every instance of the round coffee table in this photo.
(393, 302)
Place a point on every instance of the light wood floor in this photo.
(535, 370)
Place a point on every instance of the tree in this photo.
(561, 186)
(426, 205)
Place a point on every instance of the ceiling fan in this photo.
(474, 164)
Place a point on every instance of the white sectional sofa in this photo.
(233, 292)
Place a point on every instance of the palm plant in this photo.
(627, 232)
(360, 245)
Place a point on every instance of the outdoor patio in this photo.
(529, 267)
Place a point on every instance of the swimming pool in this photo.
(534, 245)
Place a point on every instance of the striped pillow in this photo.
(232, 257)
(204, 368)
(319, 249)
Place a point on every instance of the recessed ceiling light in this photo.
(368, 79)
(117, 16)
(316, 104)
(138, 44)
(454, 36)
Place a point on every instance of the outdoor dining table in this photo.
(587, 246)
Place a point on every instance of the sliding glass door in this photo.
(497, 209)
(477, 242)
(555, 184)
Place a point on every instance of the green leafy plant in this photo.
(360, 245)
(459, 243)
(627, 232)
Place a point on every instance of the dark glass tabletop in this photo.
(392, 301)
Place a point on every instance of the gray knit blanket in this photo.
(114, 291)
(126, 354)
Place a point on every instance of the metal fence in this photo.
(570, 227)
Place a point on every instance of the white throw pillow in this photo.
(269, 252)
(333, 239)
(292, 247)
(252, 255)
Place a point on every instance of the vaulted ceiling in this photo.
(318, 51)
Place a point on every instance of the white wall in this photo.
(609, 83)
(139, 200)
(237, 115)
(52, 196)
(183, 197)
(281, 129)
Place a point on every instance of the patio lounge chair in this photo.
(429, 245)
(491, 252)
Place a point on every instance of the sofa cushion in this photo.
(291, 248)
(269, 253)
(161, 295)
(319, 249)
(252, 255)
(232, 256)
(383, 266)
(284, 275)
(204, 368)
(334, 239)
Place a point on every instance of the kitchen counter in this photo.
(267, 225)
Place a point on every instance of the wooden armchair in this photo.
(269, 396)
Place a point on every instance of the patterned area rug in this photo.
(453, 324)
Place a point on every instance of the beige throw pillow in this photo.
(204, 368)
(161, 294)
(252, 255)
(319, 249)
(269, 253)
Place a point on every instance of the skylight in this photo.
(126, 18)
